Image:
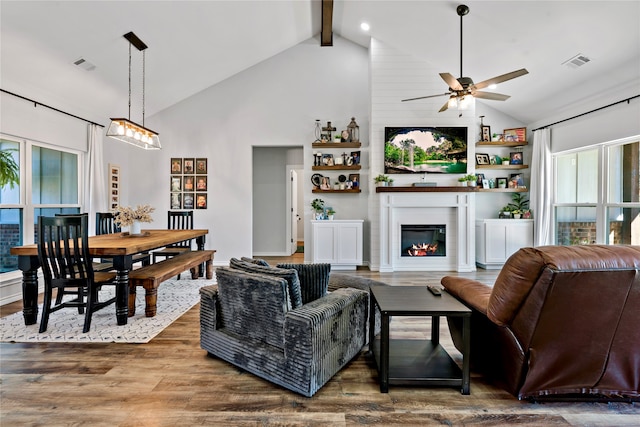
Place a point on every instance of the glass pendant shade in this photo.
(132, 133)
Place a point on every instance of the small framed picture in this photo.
(176, 165)
(325, 183)
(176, 183)
(355, 157)
(502, 182)
(482, 159)
(187, 200)
(355, 180)
(516, 181)
(188, 166)
(515, 158)
(486, 133)
(189, 183)
(201, 200)
(201, 183)
(327, 160)
(479, 180)
(485, 183)
(176, 201)
(201, 166)
(515, 135)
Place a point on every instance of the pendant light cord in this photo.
(129, 81)
(143, 91)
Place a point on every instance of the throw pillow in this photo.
(290, 275)
(314, 279)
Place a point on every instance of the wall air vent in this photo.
(577, 61)
(84, 64)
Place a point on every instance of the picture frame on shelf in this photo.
(482, 159)
(355, 157)
(516, 180)
(355, 180)
(485, 183)
(494, 160)
(515, 158)
(515, 134)
(327, 160)
(325, 183)
(486, 133)
(501, 182)
(480, 180)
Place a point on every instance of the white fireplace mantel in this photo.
(455, 209)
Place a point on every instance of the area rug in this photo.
(175, 297)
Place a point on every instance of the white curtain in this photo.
(95, 198)
(541, 187)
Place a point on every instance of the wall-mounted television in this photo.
(421, 149)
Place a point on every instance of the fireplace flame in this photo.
(423, 249)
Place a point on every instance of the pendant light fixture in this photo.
(126, 130)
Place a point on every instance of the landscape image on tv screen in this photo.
(425, 149)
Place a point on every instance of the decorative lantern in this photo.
(318, 131)
(354, 130)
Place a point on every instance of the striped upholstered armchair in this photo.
(262, 319)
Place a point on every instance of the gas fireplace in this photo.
(423, 240)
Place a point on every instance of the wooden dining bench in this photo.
(150, 276)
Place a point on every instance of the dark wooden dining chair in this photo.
(176, 220)
(63, 252)
(105, 224)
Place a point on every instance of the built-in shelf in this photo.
(336, 144)
(353, 190)
(503, 190)
(336, 168)
(502, 166)
(502, 143)
(412, 189)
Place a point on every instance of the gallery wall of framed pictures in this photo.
(114, 186)
(188, 184)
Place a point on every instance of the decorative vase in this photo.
(330, 217)
(135, 228)
(319, 216)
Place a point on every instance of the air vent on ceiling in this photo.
(84, 64)
(577, 61)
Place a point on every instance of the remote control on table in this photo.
(435, 291)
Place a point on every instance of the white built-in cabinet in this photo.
(498, 239)
(338, 242)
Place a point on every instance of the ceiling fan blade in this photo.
(444, 107)
(453, 83)
(425, 97)
(500, 79)
(490, 95)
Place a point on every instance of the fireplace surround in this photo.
(453, 210)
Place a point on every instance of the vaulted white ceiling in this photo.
(196, 44)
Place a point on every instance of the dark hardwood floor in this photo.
(171, 381)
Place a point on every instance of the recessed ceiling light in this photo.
(364, 26)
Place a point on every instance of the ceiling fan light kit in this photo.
(126, 130)
(463, 90)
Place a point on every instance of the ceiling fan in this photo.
(463, 87)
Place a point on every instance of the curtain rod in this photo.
(588, 112)
(36, 103)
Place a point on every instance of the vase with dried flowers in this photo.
(125, 216)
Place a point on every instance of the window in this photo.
(52, 187)
(597, 195)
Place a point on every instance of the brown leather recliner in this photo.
(560, 322)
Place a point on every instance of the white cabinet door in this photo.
(338, 243)
(498, 239)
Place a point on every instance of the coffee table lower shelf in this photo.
(419, 362)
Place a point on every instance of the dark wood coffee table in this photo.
(413, 361)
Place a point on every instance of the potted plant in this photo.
(330, 213)
(462, 181)
(381, 180)
(318, 208)
(519, 204)
(505, 212)
(9, 169)
(472, 180)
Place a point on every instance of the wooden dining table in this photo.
(121, 247)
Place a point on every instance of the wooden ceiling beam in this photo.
(326, 35)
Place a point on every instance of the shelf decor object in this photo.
(126, 130)
(354, 130)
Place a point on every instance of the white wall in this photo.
(273, 104)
